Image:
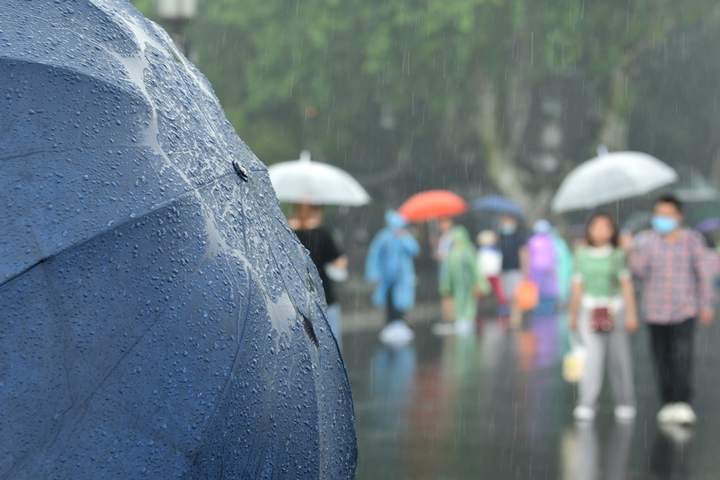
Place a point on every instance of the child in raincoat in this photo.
(461, 281)
(389, 266)
(489, 258)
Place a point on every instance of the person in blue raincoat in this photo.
(390, 267)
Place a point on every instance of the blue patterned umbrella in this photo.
(709, 225)
(498, 205)
(159, 318)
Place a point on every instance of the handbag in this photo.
(527, 295)
(601, 319)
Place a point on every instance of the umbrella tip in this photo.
(305, 156)
(602, 150)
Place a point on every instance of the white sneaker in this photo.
(396, 333)
(667, 414)
(625, 413)
(684, 414)
(444, 328)
(584, 414)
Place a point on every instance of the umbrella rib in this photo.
(68, 150)
(124, 222)
(81, 407)
(107, 375)
(74, 71)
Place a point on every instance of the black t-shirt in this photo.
(510, 246)
(323, 251)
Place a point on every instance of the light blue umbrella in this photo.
(159, 318)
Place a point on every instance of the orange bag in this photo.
(527, 295)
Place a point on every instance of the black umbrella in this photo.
(159, 319)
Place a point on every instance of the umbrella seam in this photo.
(115, 227)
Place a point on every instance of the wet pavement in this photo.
(494, 406)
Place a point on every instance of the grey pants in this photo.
(612, 348)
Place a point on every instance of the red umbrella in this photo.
(432, 204)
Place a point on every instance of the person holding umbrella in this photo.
(602, 311)
(389, 266)
(307, 223)
(677, 291)
(309, 185)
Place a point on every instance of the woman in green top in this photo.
(603, 312)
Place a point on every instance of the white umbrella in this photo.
(697, 189)
(610, 177)
(305, 181)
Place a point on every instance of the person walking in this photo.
(389, 266)
(444, 238)
(677, 289)
(442, 245)
(460, 284)
(513, 247)
(307, 223)
(603, 312)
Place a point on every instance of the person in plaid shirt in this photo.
(677, 289)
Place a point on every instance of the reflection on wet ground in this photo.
(494, 406)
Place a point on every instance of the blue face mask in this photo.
(664, 225)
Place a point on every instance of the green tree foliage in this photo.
(395, 89)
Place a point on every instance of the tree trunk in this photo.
(502, 119)
(501, 160)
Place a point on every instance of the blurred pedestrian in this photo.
(443, 243)
(389, 266)
(444, 239)
(489, 261)
(307, 223)
(563, 267)
(460, 284)
(603, 311)
(542, 259)
(513, 247)
(677, 289)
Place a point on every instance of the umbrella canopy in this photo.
(611, 177)
(498, 205)
(432, 204)
(159, 318)
(709, 225)
(305, 181)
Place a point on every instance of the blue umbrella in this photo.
(159, 318)
(498, 205)
(709, 225)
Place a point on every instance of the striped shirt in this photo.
(677, 282)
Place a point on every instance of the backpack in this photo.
(542, 252)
